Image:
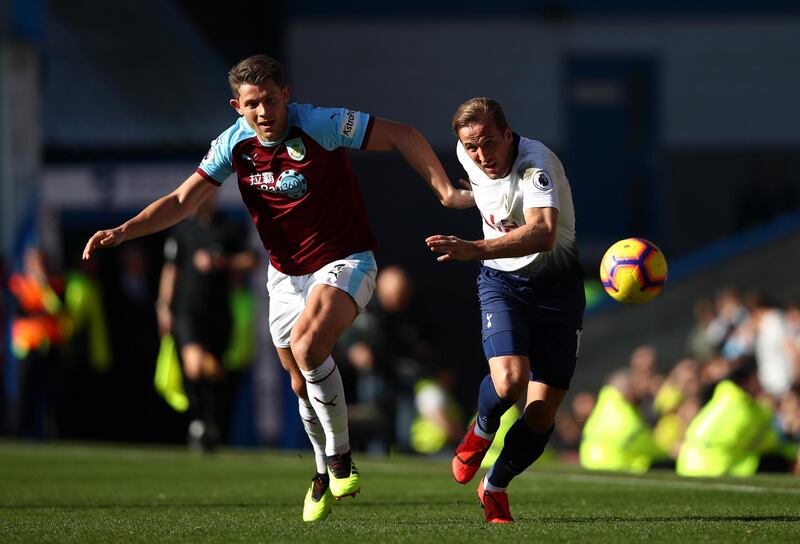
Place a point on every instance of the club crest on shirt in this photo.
(542, 181)
(296, 149)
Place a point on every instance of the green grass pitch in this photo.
(91, 493)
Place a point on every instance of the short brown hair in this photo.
(476, 110)
(255, 70)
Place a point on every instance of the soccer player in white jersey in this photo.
(530, 287)
(295, 178)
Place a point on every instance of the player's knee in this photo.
(192, 368)
(309, 349)
(510, 385)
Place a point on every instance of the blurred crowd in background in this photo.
(731, 406)
(85, 357)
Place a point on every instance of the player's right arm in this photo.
(536, 235)
(339, 127)
(159, 215)
(414, 148)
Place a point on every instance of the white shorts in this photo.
(355, 275)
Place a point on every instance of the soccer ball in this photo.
(633, 271)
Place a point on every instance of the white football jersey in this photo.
(536, 180)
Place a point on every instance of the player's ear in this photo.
(235, 105)
(285, 92)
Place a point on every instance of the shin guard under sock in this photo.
(522, 446)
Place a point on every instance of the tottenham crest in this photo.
(296, 149)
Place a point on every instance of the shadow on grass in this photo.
(664, 519)
(153, 505)
(357, 506)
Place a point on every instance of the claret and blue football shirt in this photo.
(301, 191)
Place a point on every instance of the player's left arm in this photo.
(391, 136)
(536, 235)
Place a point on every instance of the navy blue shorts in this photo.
(541, 321)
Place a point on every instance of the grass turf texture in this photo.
(75, 493)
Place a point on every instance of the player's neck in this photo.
(273, 143)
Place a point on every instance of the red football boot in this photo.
(495, 505)
(469, 455)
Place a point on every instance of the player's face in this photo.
(264, 107)
(488, 147)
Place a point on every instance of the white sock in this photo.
(326, 393)
(315, 433)
(489, 487)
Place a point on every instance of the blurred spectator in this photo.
(730, 314)
(38, 328)
(389, 354)
(712, 372)
(86, 355)
(698, 343)
(731, 434)
(789, 415)
(645, 380)
(792, 316)
(570, 423)
(771, 346)
(677, 402)
(83, 298)
(616, 436)
(439, 422)
(194, 305)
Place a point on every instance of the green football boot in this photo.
(317, 504)
(344, 477)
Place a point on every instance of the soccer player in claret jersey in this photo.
(295, 178)
(530, 287)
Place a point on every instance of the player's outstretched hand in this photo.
(103, 238)
(452, 248)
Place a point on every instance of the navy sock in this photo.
(490, 406)
(521, 448)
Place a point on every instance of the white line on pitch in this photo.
(707, 484)
(680, 484)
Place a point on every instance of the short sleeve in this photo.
(217, 165)
(538, 189)
(334, 127)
